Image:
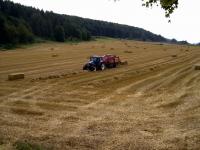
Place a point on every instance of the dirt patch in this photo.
(26, 111)
(19, 103)
(55, 106)
(172, 104)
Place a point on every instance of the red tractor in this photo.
(102, 62)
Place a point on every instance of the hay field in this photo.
(152, 103)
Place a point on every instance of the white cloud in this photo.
(185, 23)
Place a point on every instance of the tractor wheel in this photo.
(92, 68)
(114, 65)
(103, 66)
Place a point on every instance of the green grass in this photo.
(37, 40)
(8, 47)
(103, 38)
(1, 141)
(19, 145)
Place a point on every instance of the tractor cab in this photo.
(96, 60)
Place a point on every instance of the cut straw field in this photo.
(151, 103)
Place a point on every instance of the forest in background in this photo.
(22, 24)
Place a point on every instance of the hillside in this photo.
(21, 24)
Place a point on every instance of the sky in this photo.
(185, 22)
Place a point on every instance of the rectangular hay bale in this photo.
(197, 67)
(16, 76)
(124, 63)
(54, 55)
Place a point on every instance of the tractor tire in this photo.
(114, 65)
(103, 66)
(85, 67)
(92, 68)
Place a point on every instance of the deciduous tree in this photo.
(168, 5)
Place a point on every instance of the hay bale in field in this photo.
(197, 67)
(54, 55)
(16, 76)
(126, 51)
(124, 63)
(116, 78)
(151, 69)
(74, 73)
(103, 46)
(174, 56)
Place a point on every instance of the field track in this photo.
(151, 103)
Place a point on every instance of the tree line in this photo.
(22, 24)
